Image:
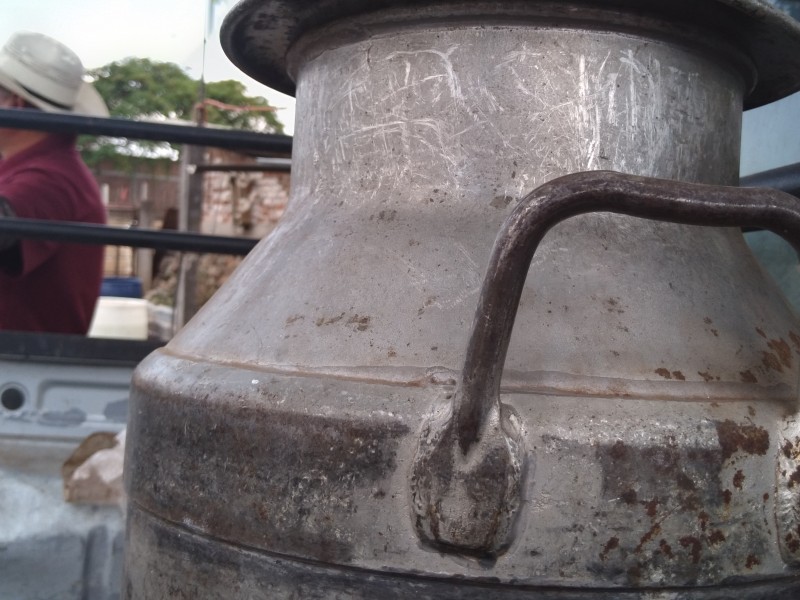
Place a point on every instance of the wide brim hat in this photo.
(49, 75)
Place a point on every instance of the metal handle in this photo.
(466, 477)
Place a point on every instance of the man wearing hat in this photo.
(46, 286)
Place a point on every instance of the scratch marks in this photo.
(589, 125)
(451, 78)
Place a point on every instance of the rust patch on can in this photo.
(618, 451)
(703, 516)
(752, 561)
(726, 496)
(792, 542)
(696, 547)
(760, 332)
(788, 450)
(678, 375)
(794, 478)
(782, 351)
(361, 322)
(795, 341)
(738, 479)
(716, 537)
(322, 321)
(651, 507)
(611, 544)
(747, 377)
(685, 482)
(733, 437)
(771, 362)
(652, 532)
(663, 373)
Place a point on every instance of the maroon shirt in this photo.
(50, 286)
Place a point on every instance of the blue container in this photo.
(122, 287)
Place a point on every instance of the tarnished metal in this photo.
(277, 446)
(465, 483)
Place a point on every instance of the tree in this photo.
(138, 88)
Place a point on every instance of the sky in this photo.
(103, 31)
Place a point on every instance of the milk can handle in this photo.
(471, 442)
(553, 202)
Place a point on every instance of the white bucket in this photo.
(120, 318)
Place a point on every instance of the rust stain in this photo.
(610, 545)
(391, 353)
(771, 362)
(664, 373)
(794, 478)
(328, 320)
(651, 507)
(612, 305)
(792, 543)
(726, 496)
(782, 350)
(678, 375)
(293, 319)
(715, 332)
(747, 377)
(618, 450)
(751, 411)
(654, 530)
(629, 497)
(795, 341)
(788, 449)
(685, 482)
(738, 479)
(716, 537)
(706, 375)
(766, 496)
(751, 561)
(761, 333)
(703, 516)
(665, 548)
(635, 573)
(747, 438)
(696, 547)
(361, 323)
(707, 321)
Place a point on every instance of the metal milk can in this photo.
(391, 399)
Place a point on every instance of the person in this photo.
(44, 285)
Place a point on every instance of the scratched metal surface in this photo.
(652, 371)
(413, 150)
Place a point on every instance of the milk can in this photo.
(508, 341)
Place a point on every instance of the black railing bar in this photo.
(245, 141)
(277, 165)
(86, 233)
(786, 179)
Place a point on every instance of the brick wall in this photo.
(241, 204)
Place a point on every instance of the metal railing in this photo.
(262, 144)
(84, 233)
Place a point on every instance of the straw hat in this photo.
(49, 75)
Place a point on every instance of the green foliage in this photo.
(137, 88)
